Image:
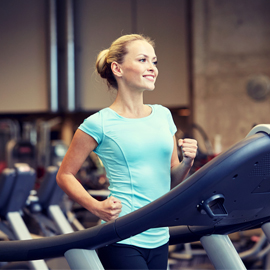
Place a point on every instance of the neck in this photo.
(130, 105)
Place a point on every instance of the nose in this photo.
(151, 66)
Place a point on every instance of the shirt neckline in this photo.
(134, 119)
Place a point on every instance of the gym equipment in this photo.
(15, 186)
(57, 152)
(44, 206)
(21, 149)
(21, 152)
(9, 135)
(50, 153)
(204, 153)
(228, 194)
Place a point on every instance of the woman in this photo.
(136, 143)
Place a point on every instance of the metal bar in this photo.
(57, 215)
(53, 58)
(81, 259)
(255, 250)
(266, 229)
(73, 220)
(21, 232)
(70, 57)
(221, 252)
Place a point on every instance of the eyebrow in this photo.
(146, 56)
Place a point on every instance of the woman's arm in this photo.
(81, 146)
(179, 171)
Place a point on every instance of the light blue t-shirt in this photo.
(136, 154)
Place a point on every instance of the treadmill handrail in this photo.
(150, 215)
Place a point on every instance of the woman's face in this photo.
(139, 70)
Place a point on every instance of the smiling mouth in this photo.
(149, 77)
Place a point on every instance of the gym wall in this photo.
(23, 56)
(24, 51)
(100, 22)
(231, 46)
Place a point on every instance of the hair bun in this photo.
(101, 63)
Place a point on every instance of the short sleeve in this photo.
(93, 127)
(171, 123)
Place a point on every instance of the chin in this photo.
(150, 88)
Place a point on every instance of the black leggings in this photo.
(121, 256)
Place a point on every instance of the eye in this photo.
(155, 63)
(143, 60)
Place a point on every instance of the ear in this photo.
(116, 69)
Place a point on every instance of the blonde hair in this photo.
(116, 53)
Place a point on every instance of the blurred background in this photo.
(214, 76)
(213, 61)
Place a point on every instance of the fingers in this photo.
(115, 204)
(114, 200)
(111, 208)
(189, 147)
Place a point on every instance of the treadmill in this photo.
(231, 193)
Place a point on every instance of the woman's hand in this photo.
(189, 150)
(108, 209)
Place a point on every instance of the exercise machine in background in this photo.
(15, 187)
